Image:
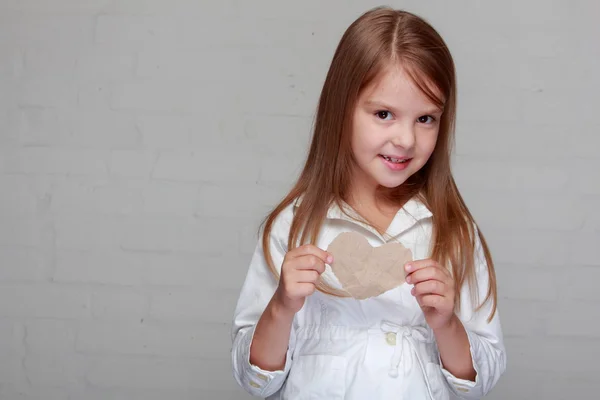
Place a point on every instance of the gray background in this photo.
(141, 142)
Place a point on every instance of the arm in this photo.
(271, 338)
(455, 353)
(472, 354)
(485, 343)
(254, 301)
(263, 338)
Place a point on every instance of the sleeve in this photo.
(257, 290)
(485, 338)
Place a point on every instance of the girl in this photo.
(378, 165)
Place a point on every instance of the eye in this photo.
(426, 119)
(384, 114)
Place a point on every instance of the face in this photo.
(395, 128)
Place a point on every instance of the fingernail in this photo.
(412, 291)
(329, 259)
(408, 267)
(408, 279)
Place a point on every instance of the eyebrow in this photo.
(388, 107)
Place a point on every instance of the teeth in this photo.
(394, 160)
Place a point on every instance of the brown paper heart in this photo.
(365, 271)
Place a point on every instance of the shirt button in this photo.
(390, 338)
(254, 384)
(462, 389)
(263, 377)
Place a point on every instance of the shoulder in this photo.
(283, 221)
(280, 228)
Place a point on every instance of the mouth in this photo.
(394, 160)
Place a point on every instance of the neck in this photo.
(366, 199)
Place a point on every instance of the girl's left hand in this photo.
(434, 291)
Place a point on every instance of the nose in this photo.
(404, 136)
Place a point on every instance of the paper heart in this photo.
(365, 271)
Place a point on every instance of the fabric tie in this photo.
(405, 340)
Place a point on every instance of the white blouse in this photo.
(378, 348)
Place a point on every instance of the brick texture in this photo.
(142, 142)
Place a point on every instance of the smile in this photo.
(395, 160)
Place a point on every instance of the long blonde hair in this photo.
(377, 38)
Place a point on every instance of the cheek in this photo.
(427, 143)
(361, 137)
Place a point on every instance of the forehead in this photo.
(395, 85)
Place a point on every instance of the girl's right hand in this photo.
(300, 273)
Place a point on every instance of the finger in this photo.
(306, 276)
(309, 249)
(427, 273)
(309, 262)
(302, 290)
(306, 289)
(413, 266)
(432, 300)
(430, 287)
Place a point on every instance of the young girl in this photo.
(379, 166)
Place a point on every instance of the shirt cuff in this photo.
(464, 388)
(257, 381)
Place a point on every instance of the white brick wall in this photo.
(142, 141)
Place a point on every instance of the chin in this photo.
(390, 183)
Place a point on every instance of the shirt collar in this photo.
(411, 213)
